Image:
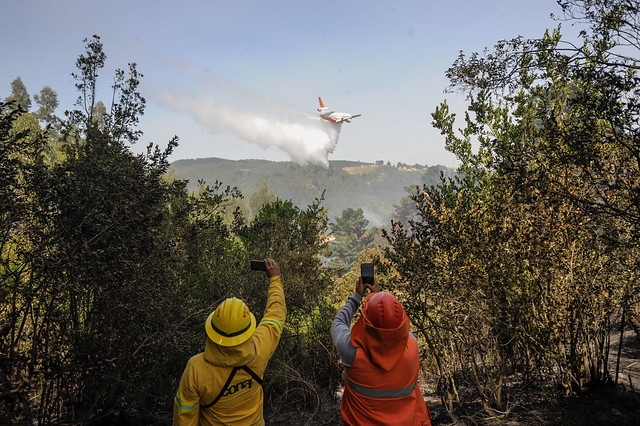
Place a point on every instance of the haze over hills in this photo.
(374, 187)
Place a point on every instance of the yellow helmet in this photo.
(231, 323)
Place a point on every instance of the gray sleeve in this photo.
(341, 330)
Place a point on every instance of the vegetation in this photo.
(374, 188)
(517, 272)
(109, 265)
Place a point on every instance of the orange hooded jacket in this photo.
(381, 382)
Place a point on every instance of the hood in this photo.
(384, 347)
(230, 356)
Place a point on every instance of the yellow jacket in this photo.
(206, 373)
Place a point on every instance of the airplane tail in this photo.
(321, 103)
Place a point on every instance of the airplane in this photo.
(332, 116)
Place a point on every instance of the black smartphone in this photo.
(258, 265)
(366, 272)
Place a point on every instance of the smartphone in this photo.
(258, 265)
(366, 272)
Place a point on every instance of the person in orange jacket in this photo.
(223, 384)
(381, 361)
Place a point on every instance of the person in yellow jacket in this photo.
(223, 385)
(381, 360)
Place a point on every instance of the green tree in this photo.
(587, 112)
(89, 263)
(88, 65)
(19, 175)
(100, 115)
(19, 95)
(262, 196)
(47, 101)
(351, 237)
(406, 210)
(127, 106)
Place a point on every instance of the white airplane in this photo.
(332, 116)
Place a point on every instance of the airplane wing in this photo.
(348, 119)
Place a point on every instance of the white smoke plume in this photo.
(304, 136)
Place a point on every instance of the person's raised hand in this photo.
(272, 268)
(362, 287)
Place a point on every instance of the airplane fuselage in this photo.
(336, 117)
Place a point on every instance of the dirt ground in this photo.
(606, 405)
(599, 407)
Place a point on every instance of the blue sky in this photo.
(219, 74)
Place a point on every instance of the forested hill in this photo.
(375, 188)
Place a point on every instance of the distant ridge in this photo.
(374, 187)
